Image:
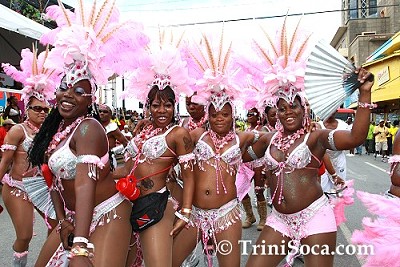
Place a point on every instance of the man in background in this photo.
(381, 145)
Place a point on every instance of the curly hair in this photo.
(49, 128)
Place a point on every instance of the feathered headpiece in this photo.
(38, 81)
(217, 77)
(162, 66)
(284, 62)
(92, 44)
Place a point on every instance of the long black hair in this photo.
(49, 128)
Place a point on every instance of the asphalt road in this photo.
(369, 175)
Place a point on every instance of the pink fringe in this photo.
(243, 181)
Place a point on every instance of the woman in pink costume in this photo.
(39, 86)
(301, 212)
(90, 46)
(216, 210)
(158, 147)
(381, 233)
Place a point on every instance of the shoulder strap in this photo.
(23, 128)
(170, 129)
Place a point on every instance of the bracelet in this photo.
(180, 216)
(80, 239)
(186, 210)
(58, 227)
(79, 251)
(334, 175)
(367, 105)
(251, 152)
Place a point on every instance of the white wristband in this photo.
(80, 239)
(180, 216)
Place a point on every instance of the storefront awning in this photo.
(387, 92)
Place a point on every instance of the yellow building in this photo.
(386, 89)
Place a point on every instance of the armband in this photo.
(331, 141)
(187, 160)
(93, 162)
(251, 153)
(8, 147)
(79, 251)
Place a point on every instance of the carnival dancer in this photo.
(216, 212)
(157, 82)
(90, 46)
(254, 120)
(381, 233)
(293, 155)
(39, 84)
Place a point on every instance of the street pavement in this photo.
(369, 175)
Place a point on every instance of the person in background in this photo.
(389, 137)
(381, 145)
(22, 183)
(369, 141)
(7, 124)
(127, 133)
(114, 135)
(349, 122)
(255, 126)
(122, 123)
(12, 110)
(394, 129)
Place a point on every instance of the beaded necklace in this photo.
(34, 129)
(145, 134)
(194, 125)
(219, 142)
(61, 135)
(284, 143)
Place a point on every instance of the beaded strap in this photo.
(331, 141)
(8, 147)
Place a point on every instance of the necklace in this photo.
(218, 141)
(194, 125)
(147, 133)
(284, 143)
(34, 129)
(61, 135)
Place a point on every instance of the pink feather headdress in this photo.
(283, 63)
(92, 43)
(217, 77)
(161, 66)
(38, 81)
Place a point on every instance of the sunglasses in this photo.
(252, 114)
(39, 109)
(103, 111)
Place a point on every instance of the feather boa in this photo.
(340, 202)
(382, 233)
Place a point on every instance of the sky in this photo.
(156, 13)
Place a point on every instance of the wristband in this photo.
(334, 175)
(180, 216)
(367, 105)
(80, 239)
(186, 210)
(79, 251)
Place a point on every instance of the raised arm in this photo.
(342, 140)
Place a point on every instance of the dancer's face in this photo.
(272, 116)
(74, 102)
(252, 115)
(196, 111)
(162, 112)
(221, 121)
(291, 116)
(37, 111)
